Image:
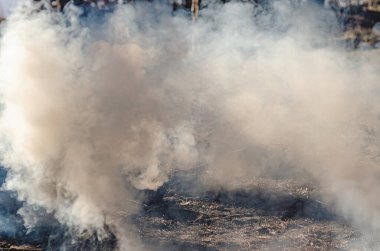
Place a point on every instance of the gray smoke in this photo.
(96, 109)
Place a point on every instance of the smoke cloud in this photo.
(98, 108)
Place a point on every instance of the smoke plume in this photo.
(97, 108)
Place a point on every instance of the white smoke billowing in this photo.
(7, 7)
(98, 121)
(92, 113)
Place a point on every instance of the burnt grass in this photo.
(261, 214)
(265, 215)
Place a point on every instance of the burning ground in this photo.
(138, 129)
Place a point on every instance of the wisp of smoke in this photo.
(95, 109)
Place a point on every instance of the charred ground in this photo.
(265, 214)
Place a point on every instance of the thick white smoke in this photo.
(7, 7)
(86, 119)
(93, 112)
